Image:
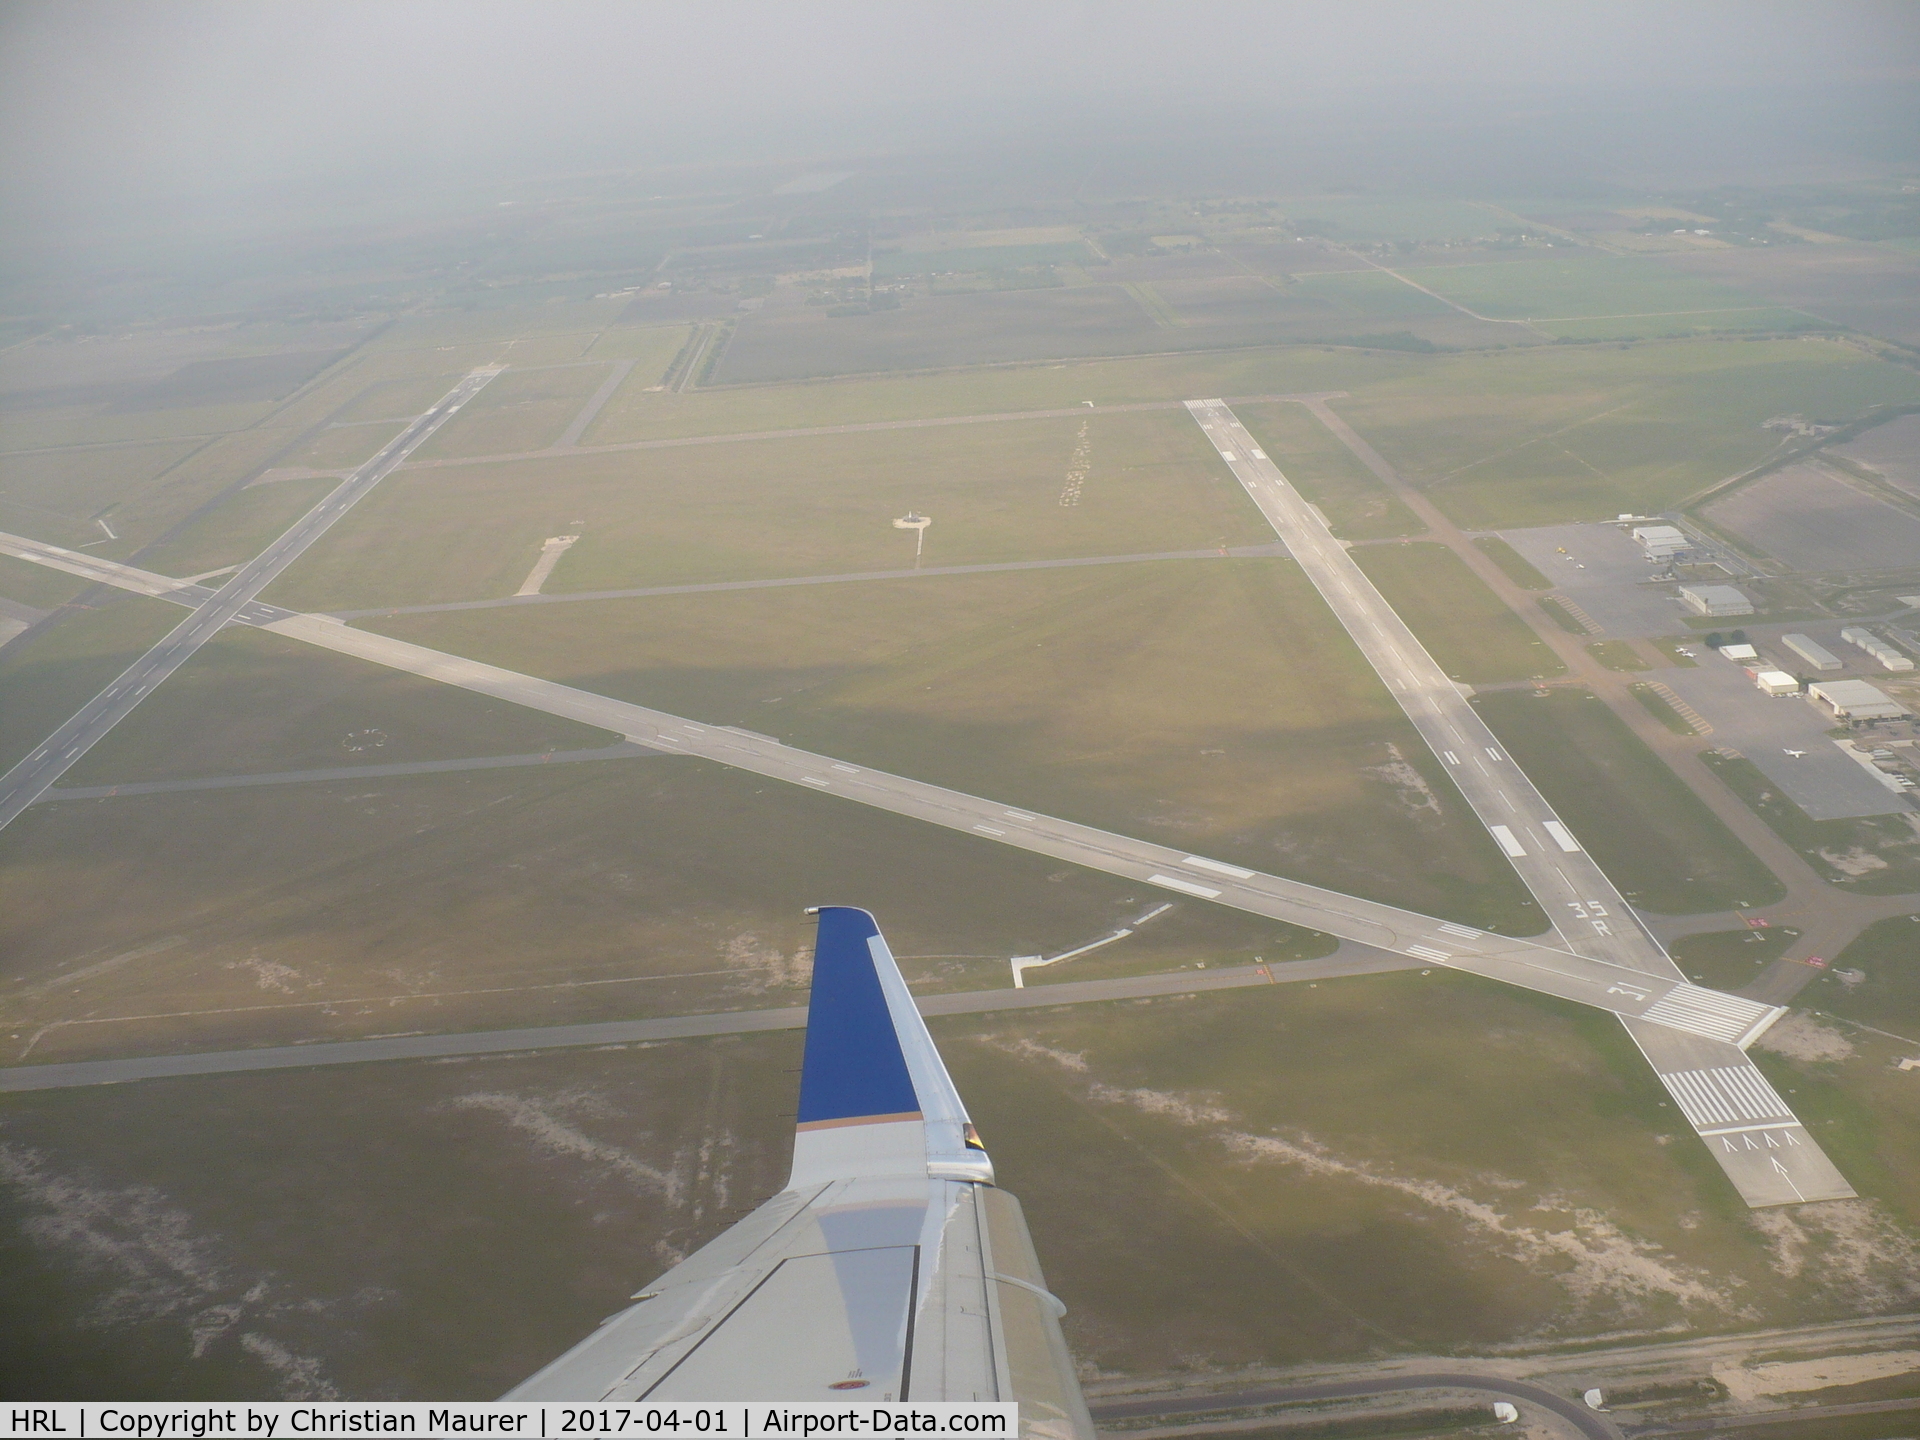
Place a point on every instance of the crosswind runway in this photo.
(1611, 963)
(1591, 981)
(60, 751)
(1688, 1032)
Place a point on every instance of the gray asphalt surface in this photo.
(1349, 961)
(1589, 1422)
(1695, 1047)
(29, 779)
(1236, 552)
(625, 751)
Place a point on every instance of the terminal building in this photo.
(1856, 700)
(1715, 600)
(1662, 542)
(1811, 651)
(1889, 658)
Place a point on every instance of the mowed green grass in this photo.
(1564, 433)
(237, 529)
(1512, 563)
(46, 677)
(251, 702)
(1655, 839)
(1356, 504)
(1213, 704)
(770, 508)
(1729, 959)
(54, 495)
(493, 899)
(1888, 954)
(1463, 624)
(519, 410)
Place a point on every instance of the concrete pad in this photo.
(1612, 588)
(1823, 782)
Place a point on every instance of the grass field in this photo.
(634, 414)
(54, 495)
(518, 410)
(1463, 624)
(36, 585)
(1515, 566)
(1076, 692)
(1572, 434)
(48, 676)
(350, 1230)
(1878, 855)
(1618, 655)
(492, 899)
(236, 530)
(821, 505)
(1357, 506)
(251, 702)
(1664, 849)
(1729, 959)
(1889, 998)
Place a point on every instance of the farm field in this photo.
(820, 505)
(1589, 287)
(1463, 624)
(1814, 519)
(1664, 849)
(1074, 692)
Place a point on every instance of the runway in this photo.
(1690, 1035)
(29, 779)
(1562, 973)
(675, 1027)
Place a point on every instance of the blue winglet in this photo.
(854, 1069)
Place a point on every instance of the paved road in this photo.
(1588, 1422)
(1355, 960)
(1744, 1122)
(29, 779)
(624, 751)
(1233, 552)
(857, 428)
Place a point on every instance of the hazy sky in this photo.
(103, 98)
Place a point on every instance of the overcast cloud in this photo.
(129, 97)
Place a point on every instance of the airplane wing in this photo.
(890, 1268)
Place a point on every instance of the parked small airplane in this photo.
(1795, 754)
(890, 1267)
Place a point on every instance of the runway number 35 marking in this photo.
(1590, 910)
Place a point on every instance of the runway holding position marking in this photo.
(58, 753)
(1588, 912)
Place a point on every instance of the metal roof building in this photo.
(1857, 700)
(1715, 600)
(1811, 651)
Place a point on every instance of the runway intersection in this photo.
(1604, 956)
